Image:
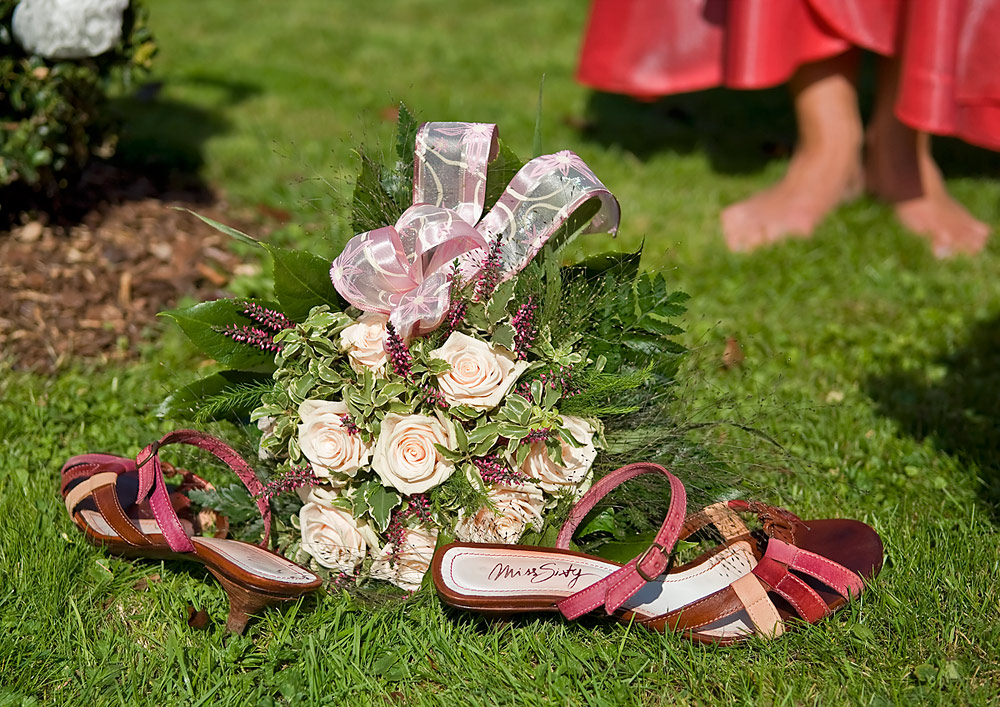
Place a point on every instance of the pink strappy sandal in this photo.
(127, 507)
(753, 584)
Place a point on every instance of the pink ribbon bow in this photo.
(405, 270)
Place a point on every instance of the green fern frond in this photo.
(605, 394)
(236, 401)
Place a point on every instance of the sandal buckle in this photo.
(153, 449)
(645, 554)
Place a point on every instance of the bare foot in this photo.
(816, 182)
(900, 170)
(825, 169)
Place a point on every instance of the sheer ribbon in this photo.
(405, 270)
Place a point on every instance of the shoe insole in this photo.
(252, 559)
(500, 573)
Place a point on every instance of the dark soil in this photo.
(87, 281)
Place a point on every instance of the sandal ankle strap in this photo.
(615, 589)
(153, 486)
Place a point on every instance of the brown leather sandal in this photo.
(127, 507)
(753, 584)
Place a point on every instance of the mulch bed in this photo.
(90, 288)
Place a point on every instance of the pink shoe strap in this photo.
(85, 465)
(834, 575)
(615, 589)
(153, 485)
(803, 598)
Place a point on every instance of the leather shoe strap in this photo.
(153, 485)
(615, 589)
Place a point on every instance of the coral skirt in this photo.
(950, 51)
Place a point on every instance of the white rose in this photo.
(334, 537)
(405, 457)
(327, 443)
(576, 460)
(405, 567)
(510, 511)
(364, 342)
(480, 374)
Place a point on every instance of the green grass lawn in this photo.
(874, 365)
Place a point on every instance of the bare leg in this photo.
(900, 170)
(825, 168)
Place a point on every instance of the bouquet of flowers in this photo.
(451, 374)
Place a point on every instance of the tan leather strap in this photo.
(86, 488)
(110, 507)
(726, 521)
(758, 605)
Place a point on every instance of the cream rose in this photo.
(364, 342)
(405, 457)
(480, 374)
(573, 473)
(406, 566)
(326, 442)
(334, 537)
(324, 495)
(511, 510)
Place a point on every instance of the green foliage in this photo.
(455, 493)
(374, 204)
(54, 112)
(406, 134)
(223, 228)
(634, 327)
(375, 502)
(224, 395)
(235, 503)
(203, 323)
(234, 402)
(605, 394)
(301, 281)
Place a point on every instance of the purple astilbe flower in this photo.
(296, 477)
(342, 579)
(458, 307)
(417, 506)
(269, 319)
(251, 336)
(399, 356)
(434, 397)
(539, 435)
(493, 471)
(348, 424)
(524, 328)
(489, 274)
(561, 379)
(396, 532)
(456, 279)
(564, 378)
(456, 315)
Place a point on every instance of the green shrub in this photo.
(53, 112)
